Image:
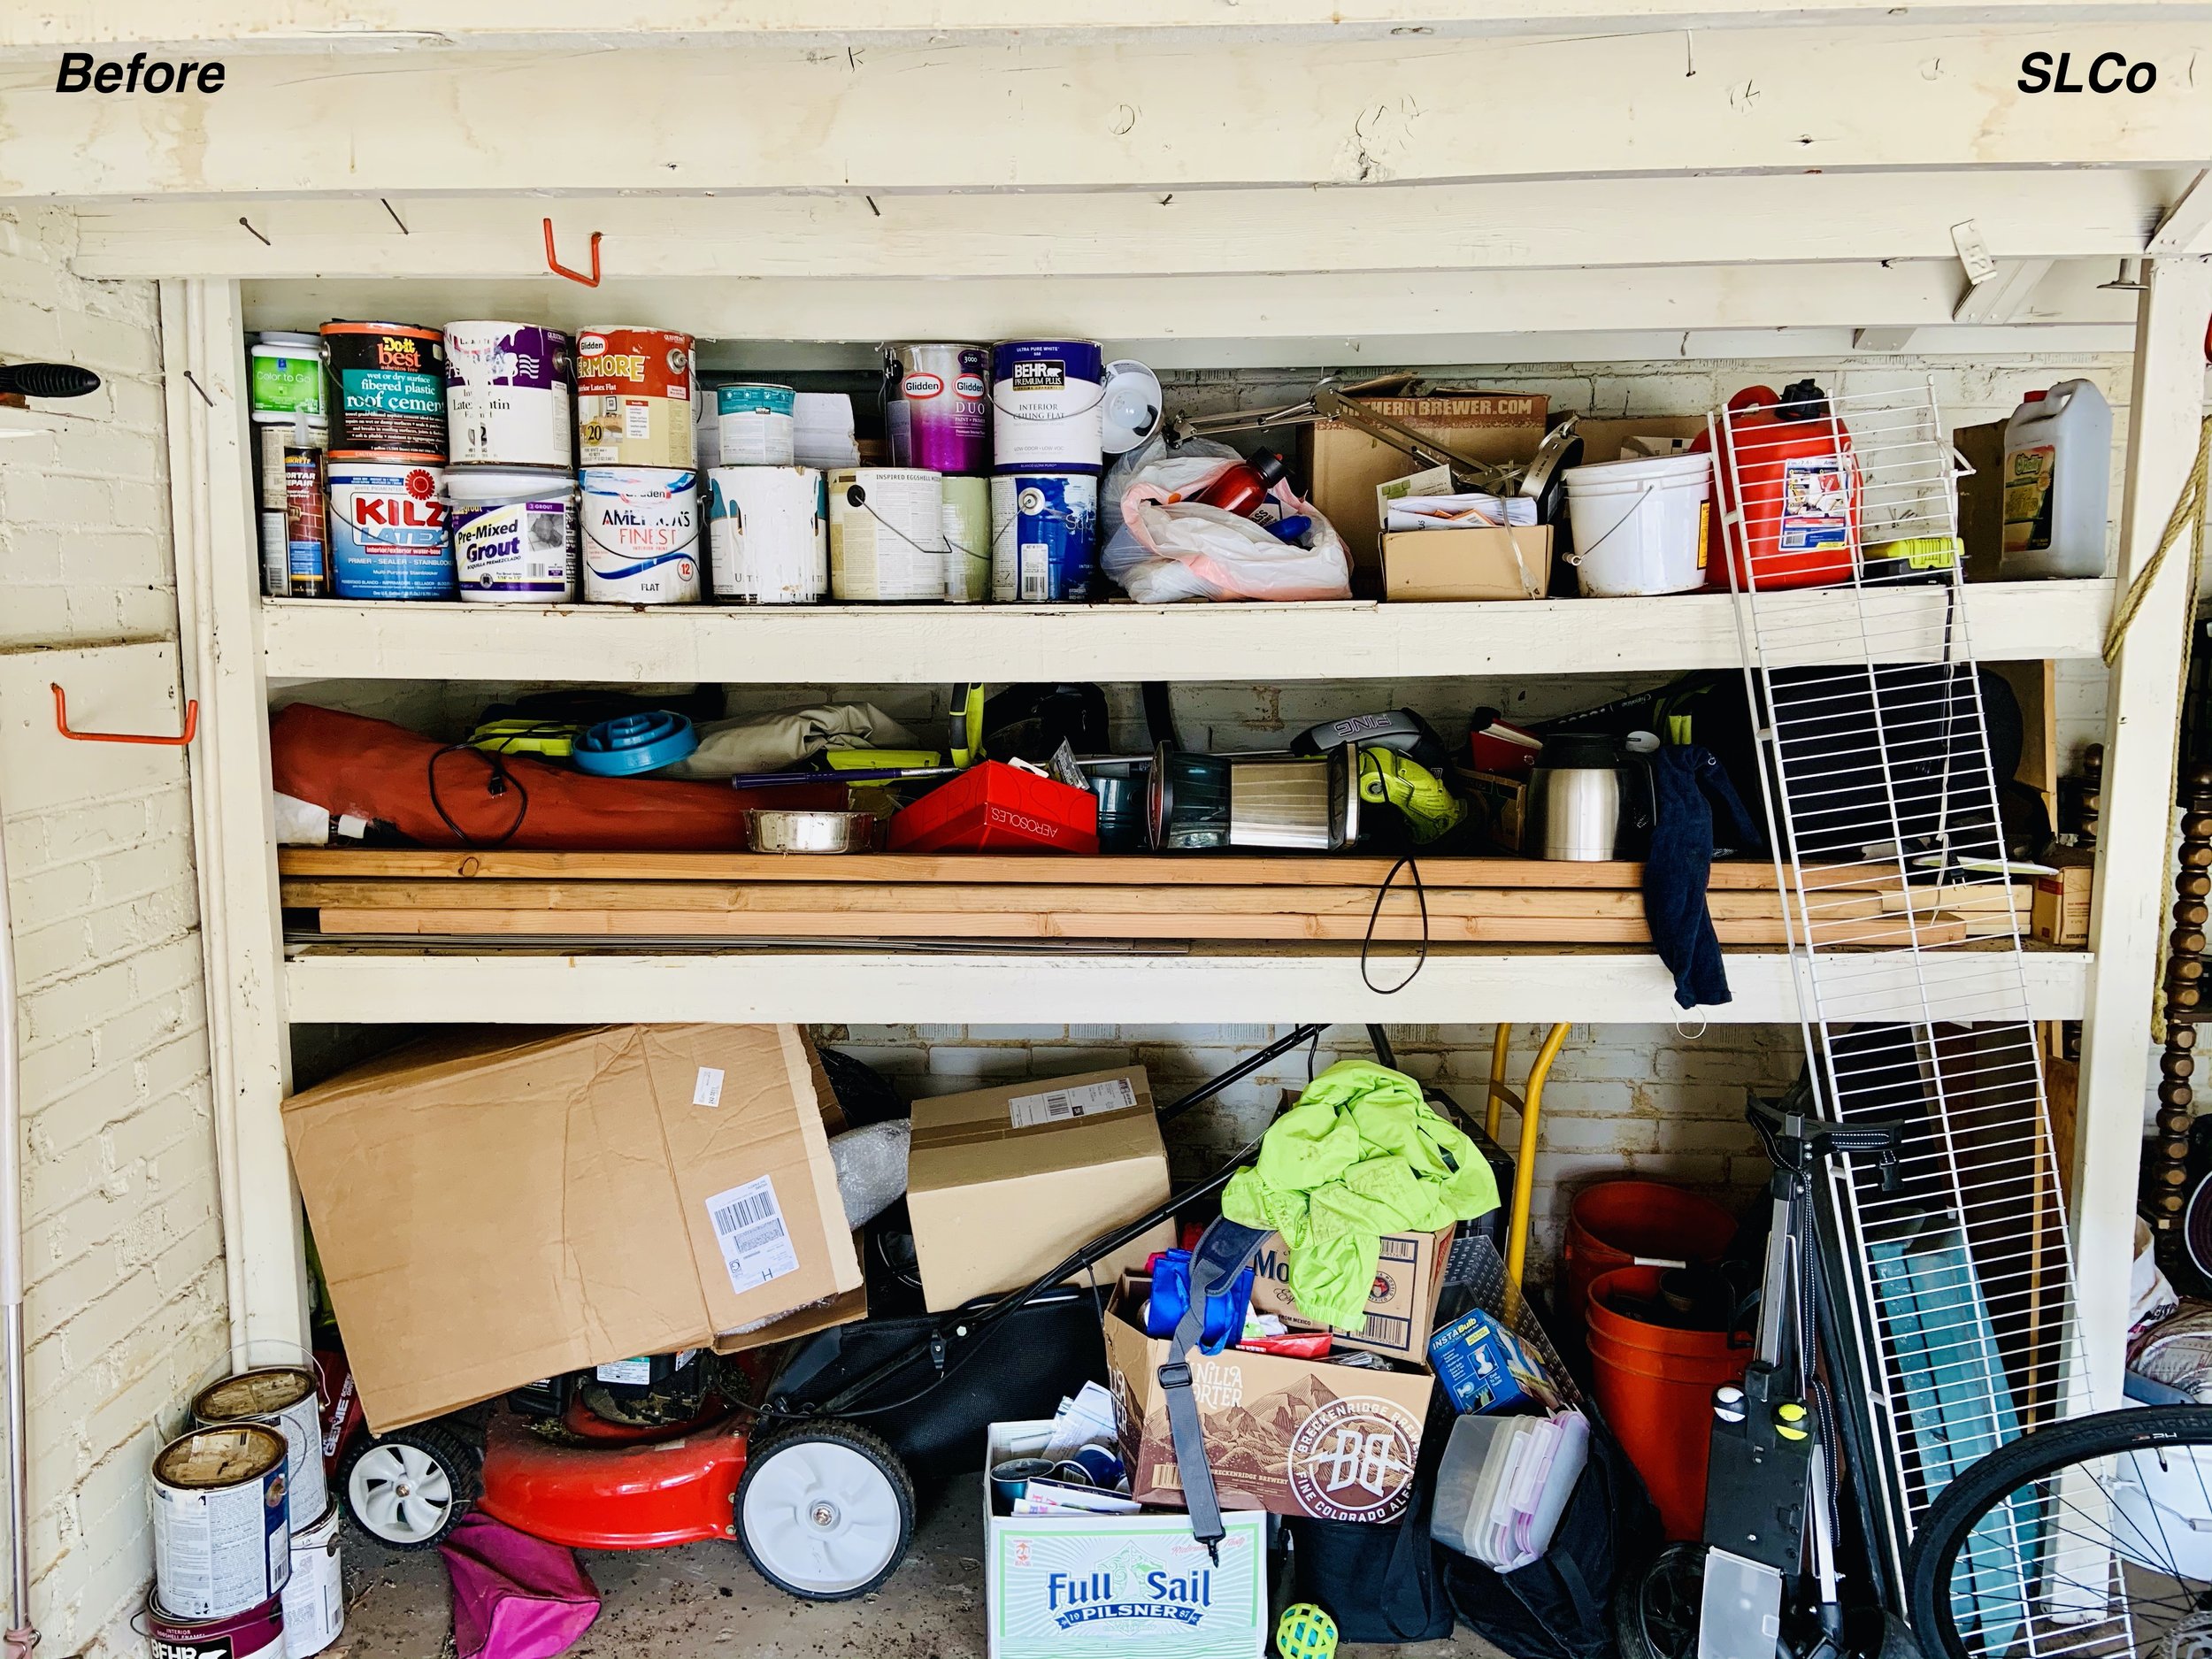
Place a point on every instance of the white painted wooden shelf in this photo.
(619, 644)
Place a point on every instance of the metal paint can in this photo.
(285, 378)
(385, 389)
(967, 540)
(315, 1598)
(634, 397)
(258, 1631)
(284, 1398)
(222, 1544)
(640, 531)
(887, 534)
(387, 529)
(767, 540)
(1045, 396)
(942, 396)
(1011, 1479)
(514, 533)
(1044, 537)
(509, 389)
(755, 425)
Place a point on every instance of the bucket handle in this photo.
(1581, 553)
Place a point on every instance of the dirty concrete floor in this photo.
(705, 1599)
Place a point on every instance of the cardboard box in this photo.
(2058, 914)
(1499, 803)
(1004, 1183)
(1105, 1587)
(1401, 1307)
(494, 1206)
(1290, 1436)
(1484, 1367)
(1480, 563)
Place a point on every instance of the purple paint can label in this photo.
(509, 389)
(944, 396)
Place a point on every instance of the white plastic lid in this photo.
(289, 345)
(479, 484)
(1130, 406)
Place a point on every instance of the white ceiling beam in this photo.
(2187, 226)
(2004, 297)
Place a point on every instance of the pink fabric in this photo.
(514, 1596)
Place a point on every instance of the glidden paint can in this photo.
(387, 530)
(385, 389)
(315, 1600)
(755, 425)
(640, 529)
(941, 393)
(222, 1545)
(1045, 399)
(508, 391)
(633, 401)
(514, 533)
(1044, 537)
(967, 540)
(766, 535)
(284, 1398)
(259, 1630)
(887, 534)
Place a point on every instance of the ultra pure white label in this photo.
(749, 1226)
(1064, 1105)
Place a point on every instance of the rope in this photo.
(2188, 515)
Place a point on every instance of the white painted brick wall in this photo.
(123, 1244)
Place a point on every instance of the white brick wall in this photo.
(124, 1250)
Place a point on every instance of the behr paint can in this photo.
(634, 397)
(385, 389)
(514, 533)
(284, 1397)
(315, 1600)
(509, 390)
(941, 393)
(767, 540)
(967, 540)
(755, 425)
(256, 1633)
(387, 529)
(1044, 537)
(1045, 396)
(639, 527)
(222, 1544)
(887, 534)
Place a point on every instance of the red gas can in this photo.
(1791, 461)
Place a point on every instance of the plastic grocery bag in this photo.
(1162, 549)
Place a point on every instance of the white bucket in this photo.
(640, 528)
(1640, 525)
(315, 1598)
(283, 1397)
(514, 533)
(767, 541)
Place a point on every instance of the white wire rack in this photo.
(1878, 751)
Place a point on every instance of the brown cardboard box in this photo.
(1343, 465)
(2060, 913)
(1291, 1436)
(1499, 803)
(1004, 1183)
(494, 1206)
(1482, 564)
(1401, 1307)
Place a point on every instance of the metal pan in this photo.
(772, 830)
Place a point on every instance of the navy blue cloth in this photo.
(1686, 783)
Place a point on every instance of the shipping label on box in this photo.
(1401, 1304)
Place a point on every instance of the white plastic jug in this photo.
(1640, 525)
(2058, 471)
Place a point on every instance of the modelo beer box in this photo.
(1114, 1587)
(1401, 1304)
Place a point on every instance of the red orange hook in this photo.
(61, 725)
(554, 264)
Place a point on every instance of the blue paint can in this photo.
(1046, 396)
(1044, 537)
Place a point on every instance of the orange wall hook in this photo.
(554, 264)
(61, 725)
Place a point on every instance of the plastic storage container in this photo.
(1640, 525)
(2058, 470)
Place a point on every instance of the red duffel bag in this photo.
(444, 795)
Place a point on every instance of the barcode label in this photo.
(1035, 562)
(749, 1227)
(706, 1090)
(1062, 1105)
(1392, 1330)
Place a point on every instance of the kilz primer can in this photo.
(387, 530)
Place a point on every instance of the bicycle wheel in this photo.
(2088, 1538)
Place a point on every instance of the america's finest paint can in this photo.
(1045, 397)
(514, 533)
(755, 425)
(283, 1397)
(639, 532)
(634, 397)
(285, 373)
(387, 530)
(222, 1544)
(766, 535)
(967, 540)
(315, 1600)
(1044, 537)
(941, 393)
(509, 387)
(385, 389)
(887, 534)
(256, 1633)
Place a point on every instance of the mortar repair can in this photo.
(1044, 537)
(767, 535)
(634, 397)
(887, 534)
(222, 1541)
(387, 529)
(639, 531)
(509, 390)
(385, 389)
(755, 425)
(514, 533)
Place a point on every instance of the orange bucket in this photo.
(1655, 1386)
(1621, 1223)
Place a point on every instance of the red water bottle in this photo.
(1245, 485)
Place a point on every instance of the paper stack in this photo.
(1503, 1484)
(822, 434)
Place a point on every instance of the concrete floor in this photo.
(695, 1602)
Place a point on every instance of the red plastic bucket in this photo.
(258, 1630)
(1621, 1223)
(1655, 1386)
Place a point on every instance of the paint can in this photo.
(385, 389)
(315, 1598)
(284, 1398)
(766, 538)
(1044, 537)
(256, 1633)
(941, 393)
(284, 377)
(639, 528)
(967, 540)
(887, 534)
(387, 529)
(294, 540)
(514, 533)
(222, 1545)
(1045, 396)
(756, 426)
(509, 390)
(634, 397)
